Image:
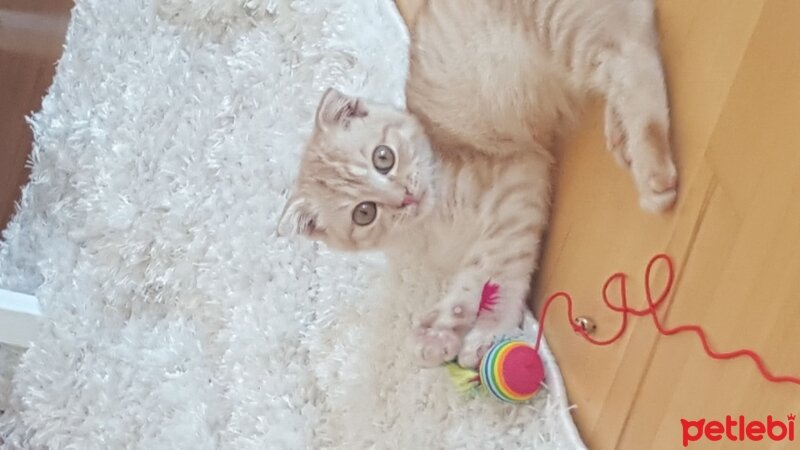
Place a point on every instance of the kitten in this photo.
(461, 181)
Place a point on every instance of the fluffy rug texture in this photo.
(175, 318)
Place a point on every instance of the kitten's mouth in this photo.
(409, 200)
(412, 205)
(412, 200)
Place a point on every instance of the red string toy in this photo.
(503, 378)
(653, 303)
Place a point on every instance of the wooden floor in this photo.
(733, 70)
(31, 36)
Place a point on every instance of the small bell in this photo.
(586, 324)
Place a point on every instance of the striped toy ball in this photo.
(512, 371)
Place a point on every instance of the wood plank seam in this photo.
(680, 267)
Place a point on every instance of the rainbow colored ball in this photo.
(512, 371)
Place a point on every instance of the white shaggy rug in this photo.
(174, 316)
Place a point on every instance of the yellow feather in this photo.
(464, 380)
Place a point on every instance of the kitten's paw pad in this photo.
(435, 346)
(450, 315)
(476, 344)
(459, 312)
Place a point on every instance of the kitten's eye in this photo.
(365, 213)
(383, 159)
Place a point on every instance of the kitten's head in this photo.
(365, 173)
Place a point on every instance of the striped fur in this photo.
(492, 85)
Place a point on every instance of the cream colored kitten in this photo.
(461, 181)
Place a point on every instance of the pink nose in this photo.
(408, 200)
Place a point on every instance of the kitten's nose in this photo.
(408, 200)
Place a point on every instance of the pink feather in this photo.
(489, 297)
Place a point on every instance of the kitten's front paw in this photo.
(658, 187)
(476, 344)
(435, 346)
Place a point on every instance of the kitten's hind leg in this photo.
(631, 77)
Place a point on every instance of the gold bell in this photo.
(586, 324)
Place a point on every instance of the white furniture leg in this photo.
(19, 318)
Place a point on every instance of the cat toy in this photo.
(512, 370)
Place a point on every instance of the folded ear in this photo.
(337, 110)
(299, 217)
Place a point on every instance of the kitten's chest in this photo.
(448, 241)
(473, 198)
(442, 243)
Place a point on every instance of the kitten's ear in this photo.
(299, 217)
(337, 109)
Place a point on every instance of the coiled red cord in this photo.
(652, 310)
